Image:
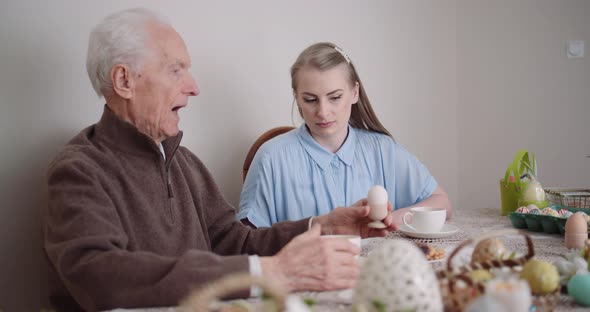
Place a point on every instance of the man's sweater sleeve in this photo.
(86, 245)
(229, 236)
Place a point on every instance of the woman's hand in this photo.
(354, 220)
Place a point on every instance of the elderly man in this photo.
(134, 219)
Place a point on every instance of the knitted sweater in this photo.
(125, 227)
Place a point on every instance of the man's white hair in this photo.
(121, 38)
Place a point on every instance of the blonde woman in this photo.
(333, 159)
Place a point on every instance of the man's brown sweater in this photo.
(127, 228)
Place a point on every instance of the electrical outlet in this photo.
(575, 48)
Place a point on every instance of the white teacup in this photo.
(355, 239)
(426, 219)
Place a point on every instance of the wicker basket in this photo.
(207, 299)
(458, 289)
(570, 197)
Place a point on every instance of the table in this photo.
(472, 223)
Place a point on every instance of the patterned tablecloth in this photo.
(471, 224)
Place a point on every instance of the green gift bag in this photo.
(512, 185)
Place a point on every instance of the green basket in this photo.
(512, 185)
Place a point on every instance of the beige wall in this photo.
(440, 75)
(517, 89)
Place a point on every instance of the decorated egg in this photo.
(535, 211)
(564, 213)
(488, 249)
(549, 212)
(579, 287)
(522, 209)
(542, 276)
(397, 277)
(567, 214)
(533, 194)
(480, 275)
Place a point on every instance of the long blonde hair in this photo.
(324, 56)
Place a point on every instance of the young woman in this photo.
(336, 155)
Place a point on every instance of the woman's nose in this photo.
(322, 109)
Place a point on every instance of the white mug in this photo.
(426, 219)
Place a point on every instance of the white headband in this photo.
(343, 54)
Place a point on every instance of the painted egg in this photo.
(567, 214)
(534, 192)
(397, 277)
(549, 212)
(488, 249)
(535, 211)
(579, 287)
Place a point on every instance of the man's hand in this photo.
(354, 220)
(310, 262)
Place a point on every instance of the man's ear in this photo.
(123, 81)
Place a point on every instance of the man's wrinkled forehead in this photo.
(168, 46)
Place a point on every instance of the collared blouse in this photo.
(293, 177)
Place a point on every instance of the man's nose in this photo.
(190, 86)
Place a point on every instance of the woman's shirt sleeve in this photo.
(257, 197)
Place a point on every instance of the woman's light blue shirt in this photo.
(292, 177)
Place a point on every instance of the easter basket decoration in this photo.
(207, 299)
(512, 185)
(458, 288)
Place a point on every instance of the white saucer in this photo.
(447, 230)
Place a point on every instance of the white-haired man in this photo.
(134, 219)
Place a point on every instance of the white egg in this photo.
(377, 195)
(534, 192)
(397, 276)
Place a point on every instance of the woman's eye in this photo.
(309, 100)
(335, 98)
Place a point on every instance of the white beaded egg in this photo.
(397, 277)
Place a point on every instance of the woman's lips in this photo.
(325, 124)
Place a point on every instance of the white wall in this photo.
(431, 69)
(517, 89)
